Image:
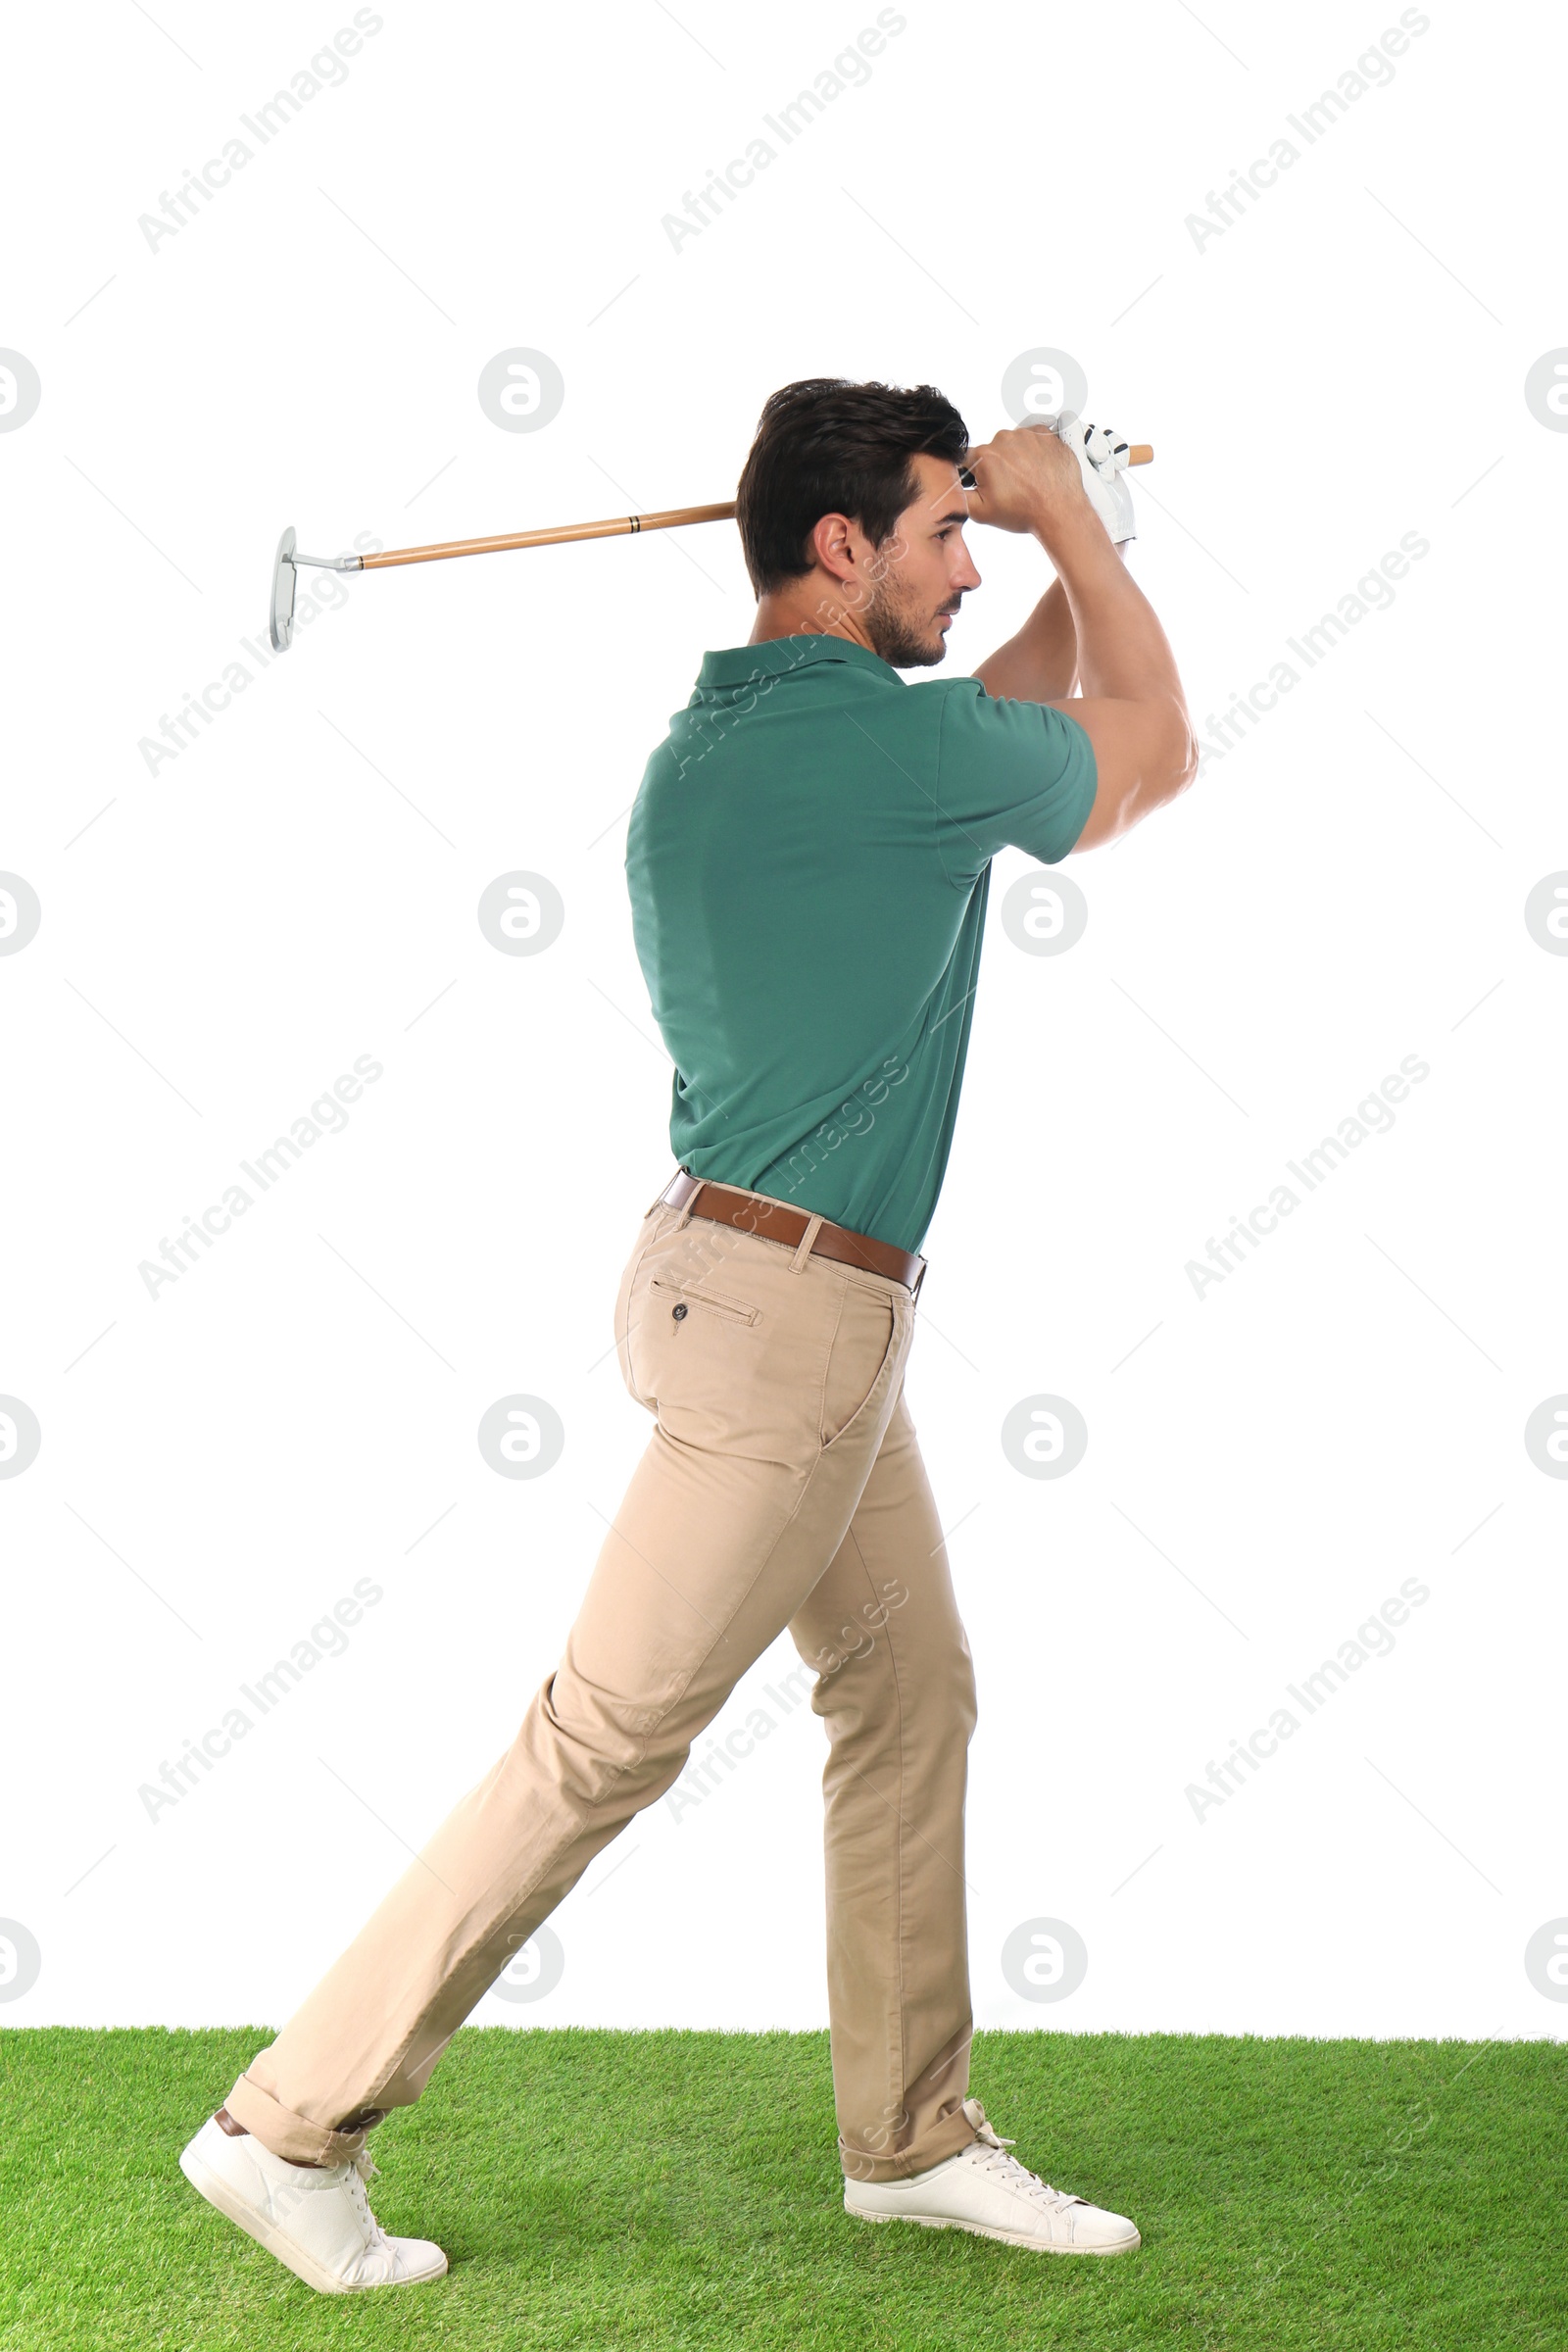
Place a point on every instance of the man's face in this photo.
(917, 577)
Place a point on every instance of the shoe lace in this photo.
(1016, 2176)
(362, 2168)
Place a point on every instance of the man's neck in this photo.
(804, 608)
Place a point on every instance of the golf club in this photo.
(280, 618)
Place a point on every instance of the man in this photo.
(809, 860)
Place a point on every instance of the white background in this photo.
(1343, 364)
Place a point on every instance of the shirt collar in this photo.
(778, 657)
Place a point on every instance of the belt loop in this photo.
(807, 1242)
(689, 1208)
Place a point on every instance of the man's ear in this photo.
(833, 544)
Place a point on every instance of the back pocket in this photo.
(673, 1296)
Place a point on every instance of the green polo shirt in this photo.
(808, 860)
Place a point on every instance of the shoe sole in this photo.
(211, 2185)
(1005, 2238)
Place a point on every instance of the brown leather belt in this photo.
(776, 1221)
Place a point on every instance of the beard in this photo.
(903, 631)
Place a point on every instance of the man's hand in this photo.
(1023, 486)
(1027, 479)
(1102, 459)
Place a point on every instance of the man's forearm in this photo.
(1041, 662)
(1132, 699)
(1123, 655)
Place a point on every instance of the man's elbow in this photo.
(1180, 764)
(1169, 766)
(1142, 768)
(1174, 755)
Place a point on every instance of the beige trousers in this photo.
(782, 1487)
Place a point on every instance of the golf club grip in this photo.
(620, 526)
(616, 526)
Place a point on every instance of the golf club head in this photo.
(280, 618)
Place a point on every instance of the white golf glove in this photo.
(1103, 461)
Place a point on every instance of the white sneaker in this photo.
(314, 2218)
(986, 2190)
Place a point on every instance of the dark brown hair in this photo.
(826, 446)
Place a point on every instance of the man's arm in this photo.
(1040, 664)
(1132, 708)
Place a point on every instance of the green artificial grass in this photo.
(678, 2190)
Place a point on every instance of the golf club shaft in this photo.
(619, 526)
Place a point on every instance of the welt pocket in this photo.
(709, 1302)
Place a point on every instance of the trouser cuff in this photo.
(945, 2139)
(289, 2135)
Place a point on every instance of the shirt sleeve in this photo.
(1010, 774)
